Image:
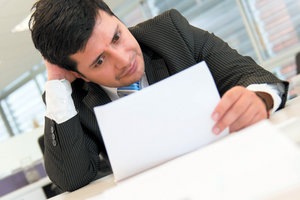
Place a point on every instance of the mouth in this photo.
(130, 70)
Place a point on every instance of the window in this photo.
(209, 15)
(275, 24)
(25, 107)
(21, 103)
(276, 29)
(3, 131)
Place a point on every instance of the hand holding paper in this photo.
(238, 108)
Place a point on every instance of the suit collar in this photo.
(95, 96)
(155, 66)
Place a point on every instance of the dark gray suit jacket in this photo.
(169, 45)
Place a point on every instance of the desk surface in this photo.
(287, 120)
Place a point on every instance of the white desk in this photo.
(287, 120)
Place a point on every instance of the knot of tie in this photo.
(126, 90)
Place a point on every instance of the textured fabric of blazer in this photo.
(169, 44)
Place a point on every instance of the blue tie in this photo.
(124, 91)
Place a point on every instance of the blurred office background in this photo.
(267, 30)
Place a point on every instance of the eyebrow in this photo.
(98, 57)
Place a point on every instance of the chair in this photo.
(298, 63)
(41, 143)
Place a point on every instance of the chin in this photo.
(139, 76)
(140, 71)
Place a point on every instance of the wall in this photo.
(20, 149)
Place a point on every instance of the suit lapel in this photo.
(155, 67)
(96, 96)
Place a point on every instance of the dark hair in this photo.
(60, 28)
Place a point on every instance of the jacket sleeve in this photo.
(227, 66)
(71, 156)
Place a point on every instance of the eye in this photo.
(116, 37)
(99, 62)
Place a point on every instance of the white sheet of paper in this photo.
(160, 122)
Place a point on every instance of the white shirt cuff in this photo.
(270, 89)
(59, 103)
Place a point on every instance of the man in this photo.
(84, 44)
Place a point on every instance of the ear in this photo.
(77, 75)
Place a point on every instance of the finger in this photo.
(236, 110)
(228, 99)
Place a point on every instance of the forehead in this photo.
(105, 25)
(102, 34)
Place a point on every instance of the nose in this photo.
(119, 57)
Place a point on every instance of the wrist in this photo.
(267, 99)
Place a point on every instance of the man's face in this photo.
(112, 56)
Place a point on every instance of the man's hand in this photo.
(57, 73)
(238, 108)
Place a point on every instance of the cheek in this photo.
(104, 74)
(130, 42)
